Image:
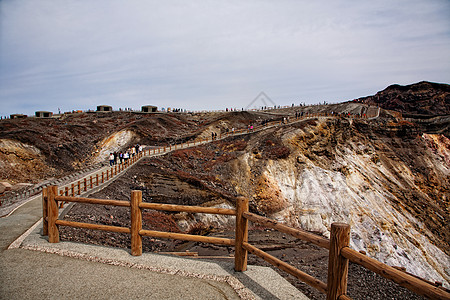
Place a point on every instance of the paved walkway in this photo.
(33, 268)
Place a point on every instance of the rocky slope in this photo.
(423, 98)
(388, 176)
(392, 185)
(386, 179)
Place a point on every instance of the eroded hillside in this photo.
(34, 149)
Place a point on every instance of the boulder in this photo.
(5, 186)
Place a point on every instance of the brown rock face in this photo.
(423, 98)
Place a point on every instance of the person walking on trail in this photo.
(111, 159)
(212, 135)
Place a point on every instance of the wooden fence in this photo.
(338, 245)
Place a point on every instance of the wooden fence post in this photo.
(79, 188)
(44, 211)
(337, 264)
(53, 232)
(136, 223)
(96, 175)
(85, 184)
(240, 254)
(90, 177)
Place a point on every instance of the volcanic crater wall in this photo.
(379, 182)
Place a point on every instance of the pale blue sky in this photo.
(214, 54)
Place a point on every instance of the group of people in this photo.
(299, 114)
(178, 110)
(121, 157)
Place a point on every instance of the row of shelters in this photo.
(145, 108)
(100, 108)
(38, 114)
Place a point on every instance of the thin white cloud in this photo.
(210, 54)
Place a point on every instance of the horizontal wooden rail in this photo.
(93, 201)
(410, 282)
(300, 234)
(185, 208)
(308, 279)
(436, 283)
(187, 237)
(93, 226)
